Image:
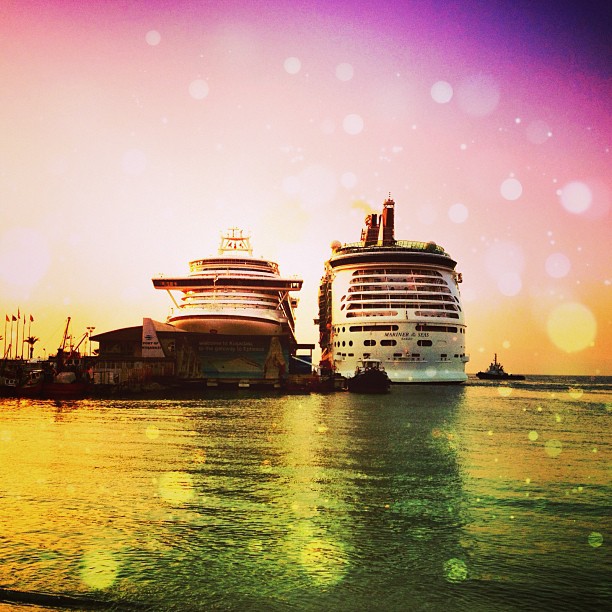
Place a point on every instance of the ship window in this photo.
(436, 328)
(388, 342)
(369, 342)
(397, 354)
(424, 342)
(366, 355)
(351, 354)
(343, 343)
(350, 343)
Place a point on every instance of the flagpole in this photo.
(11, 342)
(23, 335)
(5, 322)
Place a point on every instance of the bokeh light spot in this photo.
(292, 65)
(571, 327)
(575, 393)
(455, 570)
(441, 92)
(538, 132)
(533, 435)
(344, 72)
(352, 124)
(176, 487)
(152, 432)
(509, 283)
(198, 89)
(553, 448)
(576, 197)
(153, 38)
(511, 189)
(478, 95)
(504, 391)
(99, 569)
(557, 265)
(458, 213)
(595, 539)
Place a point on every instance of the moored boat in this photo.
(369, 377)
(496, 371)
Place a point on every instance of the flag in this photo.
(7, 319)
(31, 319)
(18, 313)
(14, 318)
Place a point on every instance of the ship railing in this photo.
(398, 245)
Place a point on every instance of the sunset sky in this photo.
(133, 133)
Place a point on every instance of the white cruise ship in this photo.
(233, 294)
(392, 300)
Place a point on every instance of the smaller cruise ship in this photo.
(395, 301)
(233, 294)
(235, 314)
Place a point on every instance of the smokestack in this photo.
(370, 234)
(387, 226)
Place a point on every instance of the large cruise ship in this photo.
(392, 300)
(238, 309)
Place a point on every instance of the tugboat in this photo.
(496, 371)
(370, 377)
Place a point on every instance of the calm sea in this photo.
(475, 497)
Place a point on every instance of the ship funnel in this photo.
(386, 234)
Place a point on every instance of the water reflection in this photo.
(315, 502)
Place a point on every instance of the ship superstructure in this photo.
(392, 300)
(233, 293)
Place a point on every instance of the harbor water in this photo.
(472, 497)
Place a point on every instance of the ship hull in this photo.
(229, 324)
(488, 376)
(398, 360)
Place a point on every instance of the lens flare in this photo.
(455, 570)
(99, 569)
(292, 65)
(572, 327)
(198, 89)
(595, 539)
(576, 197)
(553, 448)
(441, 92)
